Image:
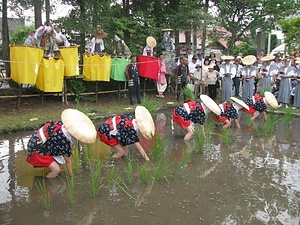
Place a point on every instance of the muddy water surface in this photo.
(252, 178)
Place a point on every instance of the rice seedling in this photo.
(143, 172)
(71, 189)
(227, 137)
(188, 93)
(95, 176)
(163, 167)
(42, 189)
(200, 140)
(269, 125)
(113, 176)
(150, 103)
(287, 116)
(159, 145)
(129, 169)
(186, 158)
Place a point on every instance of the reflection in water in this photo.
(254, 180)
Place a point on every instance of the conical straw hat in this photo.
(151, 41)
(79, 125)
(100, 34)
(240, 102)
(249, 60)
(297, 61)
(145, 122)
(271, 99)
(267, 58)
(210, 104)
(227, 57)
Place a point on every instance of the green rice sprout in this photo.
(158, 148)
(95, 177)
(186, 158)
(41, 187)
(227, 137)
(287, 116)
(188, 93)
(143, 172)
(71, 189)
(151, 104)
(269, 124)
(129, 169)
(200, 140)
(163, 167)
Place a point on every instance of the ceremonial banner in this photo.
(51, 75)
(25, 62)
(96, 67)
(118, 69)
(148, 67)
(70, 56)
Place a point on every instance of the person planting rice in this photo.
(229, 111)
(50, 145)
(257, 103)
(122, 130)
(193, 111)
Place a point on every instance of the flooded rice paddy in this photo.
(246, 176)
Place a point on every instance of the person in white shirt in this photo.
(268, 71)
(97, 43)
(227, 72)
(151, 43)
(60, 39)
(192, 65)
(200, 59)
(190, 55)
(238, 76)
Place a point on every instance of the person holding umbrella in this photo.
(50, 145)
(122, 130)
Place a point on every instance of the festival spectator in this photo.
(249, 73)
(133, 81)
(227, 72)
(162, 81)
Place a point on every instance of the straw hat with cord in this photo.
(249, 60)
(100, 34)
(151, 42)
(271, 99)
(209, 103)
(240, 102)
(79, 125)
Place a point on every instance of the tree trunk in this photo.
(82, 31)
(188, 39)
(5, 37)
(204, 28)
(37, 4)
(126, 15)
(177, 47)
(47, 7)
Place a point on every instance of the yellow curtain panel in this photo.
(51, 75)
(25, 62)
(70, 56)
(96, 67)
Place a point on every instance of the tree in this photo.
(291, 31)
(5, 36)
(241, 17)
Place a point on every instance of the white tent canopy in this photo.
(281, 49)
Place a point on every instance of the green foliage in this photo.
(291, 31)
(150, 103)
(188, 93)
(200, 140)
(77, 87)
(20, 34)
(245, 48)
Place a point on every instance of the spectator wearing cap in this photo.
(210, 78)
(197, 77)
(200, 59)
(238, 76)
(192, 65)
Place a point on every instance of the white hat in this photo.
(268, 58)
(271, 99)
(79, 125)
(145, 122)
(240, 102)
(249, 60)
(227, 57)
(151, 41)
(209, 103)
